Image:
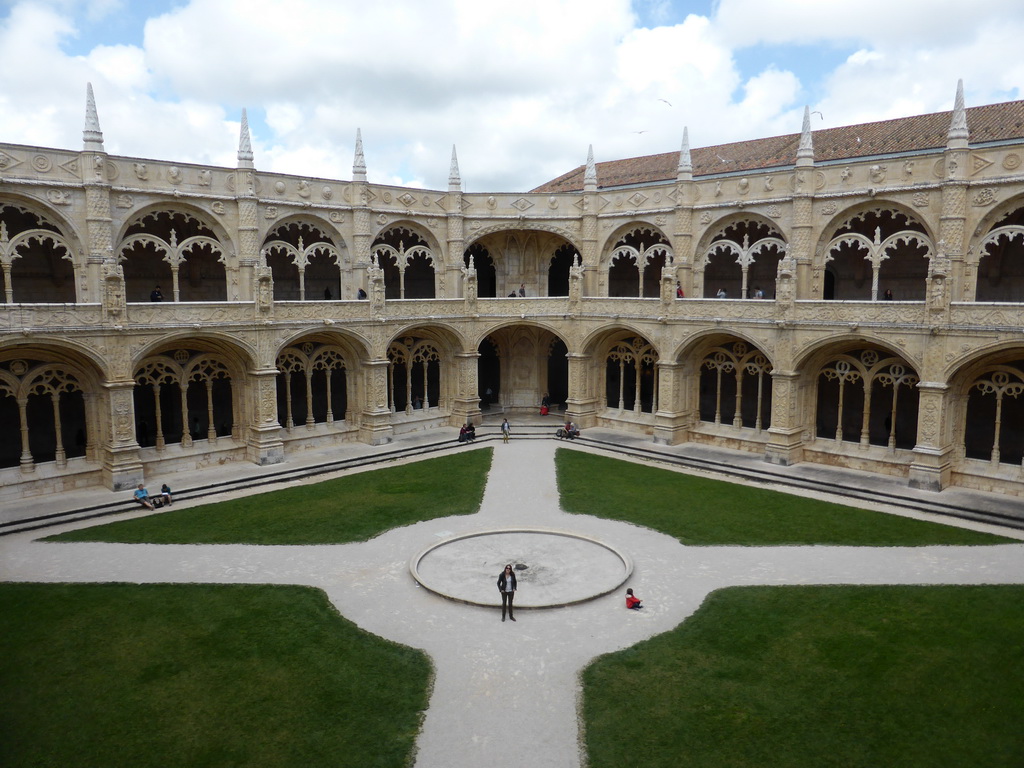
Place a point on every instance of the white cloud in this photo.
(520, 89)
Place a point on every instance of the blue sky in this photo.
(522, 89)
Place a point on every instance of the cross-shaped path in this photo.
(506, 693)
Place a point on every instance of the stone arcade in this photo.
(890, 259)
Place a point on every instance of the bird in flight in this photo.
(667, 102)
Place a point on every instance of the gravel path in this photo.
(505, 693)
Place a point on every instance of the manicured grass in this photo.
(702, 511)
(791, 677)
(167, 675)
(353, 508)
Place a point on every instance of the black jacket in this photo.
(501, 581)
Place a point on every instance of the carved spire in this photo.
(244, 143)
(590, 176)
(454, 180)
(805, 152)
(359, 164)
(958, 134)
(685, 172)
(92, 136)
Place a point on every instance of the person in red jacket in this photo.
(632, 601)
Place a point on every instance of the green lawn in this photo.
(352, 508)
(112, 676)
(791, 677)
(701, 511)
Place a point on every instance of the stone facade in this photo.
(865, 311)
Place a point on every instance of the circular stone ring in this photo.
(553, 568)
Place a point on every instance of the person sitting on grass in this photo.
(142, 496)
(632, 601)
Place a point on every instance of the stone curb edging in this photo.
(627, 563)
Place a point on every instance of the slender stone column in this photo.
(682, 237)
(952, 221)
(456, 238)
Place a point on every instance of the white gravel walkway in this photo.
(505, 693)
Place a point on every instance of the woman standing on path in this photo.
(507, 587)
(506, 430)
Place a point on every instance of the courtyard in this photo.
(505, 693)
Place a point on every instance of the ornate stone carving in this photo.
(982, 197)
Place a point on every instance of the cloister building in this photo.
(849, 297)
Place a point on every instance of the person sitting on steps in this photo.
(141, 495)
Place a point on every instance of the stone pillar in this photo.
(671, 422)
(592, 282)
(99, 229)
(952, 226)
(456, 246)
(801, 244)
(466, 400)
(785, 436)
(581, 406)
(931, 468)
(362, 226)
(682, 238)
(122, 469)
(240, 272)
(263, 444)
(375, 425)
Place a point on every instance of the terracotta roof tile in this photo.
(993, 122)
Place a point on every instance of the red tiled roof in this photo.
(994, 122)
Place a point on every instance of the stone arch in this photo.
(411, 260)
(525, 256)
(308, 260)
(49, 405)
(176, 244)
(529, 364)
(873, 251)
(995, 259)
(738, 256)
(638, 253)
(40, 258)
(318, 381)
(189, 390)
(864, 392)
(422, 369)
(988, 396)
(626, 366)
(733, 381)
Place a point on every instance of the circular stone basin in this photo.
(552, 568)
